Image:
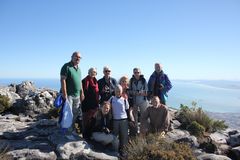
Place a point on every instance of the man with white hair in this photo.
(137, 98)
(159, 84)
(106, 85)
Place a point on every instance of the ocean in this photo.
(212, 96)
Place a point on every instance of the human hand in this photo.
(132, 124)
(82, 97)
(64, 96)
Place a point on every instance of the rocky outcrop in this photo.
(41, 139)
(28, 100)
(27, 133)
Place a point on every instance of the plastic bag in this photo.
(67, 115)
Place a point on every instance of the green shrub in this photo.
(187, 115)
(53, 113)
(218, 125)
(154, 147)
(196, 129)
(3, 151)
(4, 103)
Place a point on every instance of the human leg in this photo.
(133, 125)
(102, 137)
(74, 102)
(123, 136)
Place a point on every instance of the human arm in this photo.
(64, 87)
(82, 96)
(167, 85)
(165, 119)
(63, 78)
(150, 84)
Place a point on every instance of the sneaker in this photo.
(71, 137)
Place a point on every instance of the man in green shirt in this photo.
(71, 85)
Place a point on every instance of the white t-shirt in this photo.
(119, 107)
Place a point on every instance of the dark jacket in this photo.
(154, 83)
(100, 122)
(106, 88)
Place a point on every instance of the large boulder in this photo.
(6, 91)
(31, 154)
(26, 88)
(65, 150)
(234, 140)
(206, 156)
(235, 153)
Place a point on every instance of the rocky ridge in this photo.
(26, 132)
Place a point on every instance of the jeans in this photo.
(76, 109)
(120, 128)
(133, 130)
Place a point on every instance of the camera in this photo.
(106, 89)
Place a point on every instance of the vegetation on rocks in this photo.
(53, 113)
(4, 103)
(196, 129)
(3, 155)
(196, 121)
(154, 146)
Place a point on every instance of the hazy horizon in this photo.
(214, 96)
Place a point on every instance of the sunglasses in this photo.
(107, 71)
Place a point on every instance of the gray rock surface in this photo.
(27, 133)
(206, 156)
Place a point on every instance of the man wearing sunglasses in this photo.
(106, 85)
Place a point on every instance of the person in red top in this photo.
(91, 101)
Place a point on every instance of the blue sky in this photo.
(193, 39)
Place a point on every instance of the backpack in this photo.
(143, 81)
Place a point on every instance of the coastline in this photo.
(231, 119)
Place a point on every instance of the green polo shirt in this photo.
(73, 80)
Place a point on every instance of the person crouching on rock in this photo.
(102, 126)
(158, 116)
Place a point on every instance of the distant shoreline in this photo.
(227, 84)
(209, 95)
(224, 84)
(231, 119)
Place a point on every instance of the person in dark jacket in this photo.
(106, 85)
(137, 98)
(102, 126)
(159, 84)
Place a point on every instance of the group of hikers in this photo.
(111, 112)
